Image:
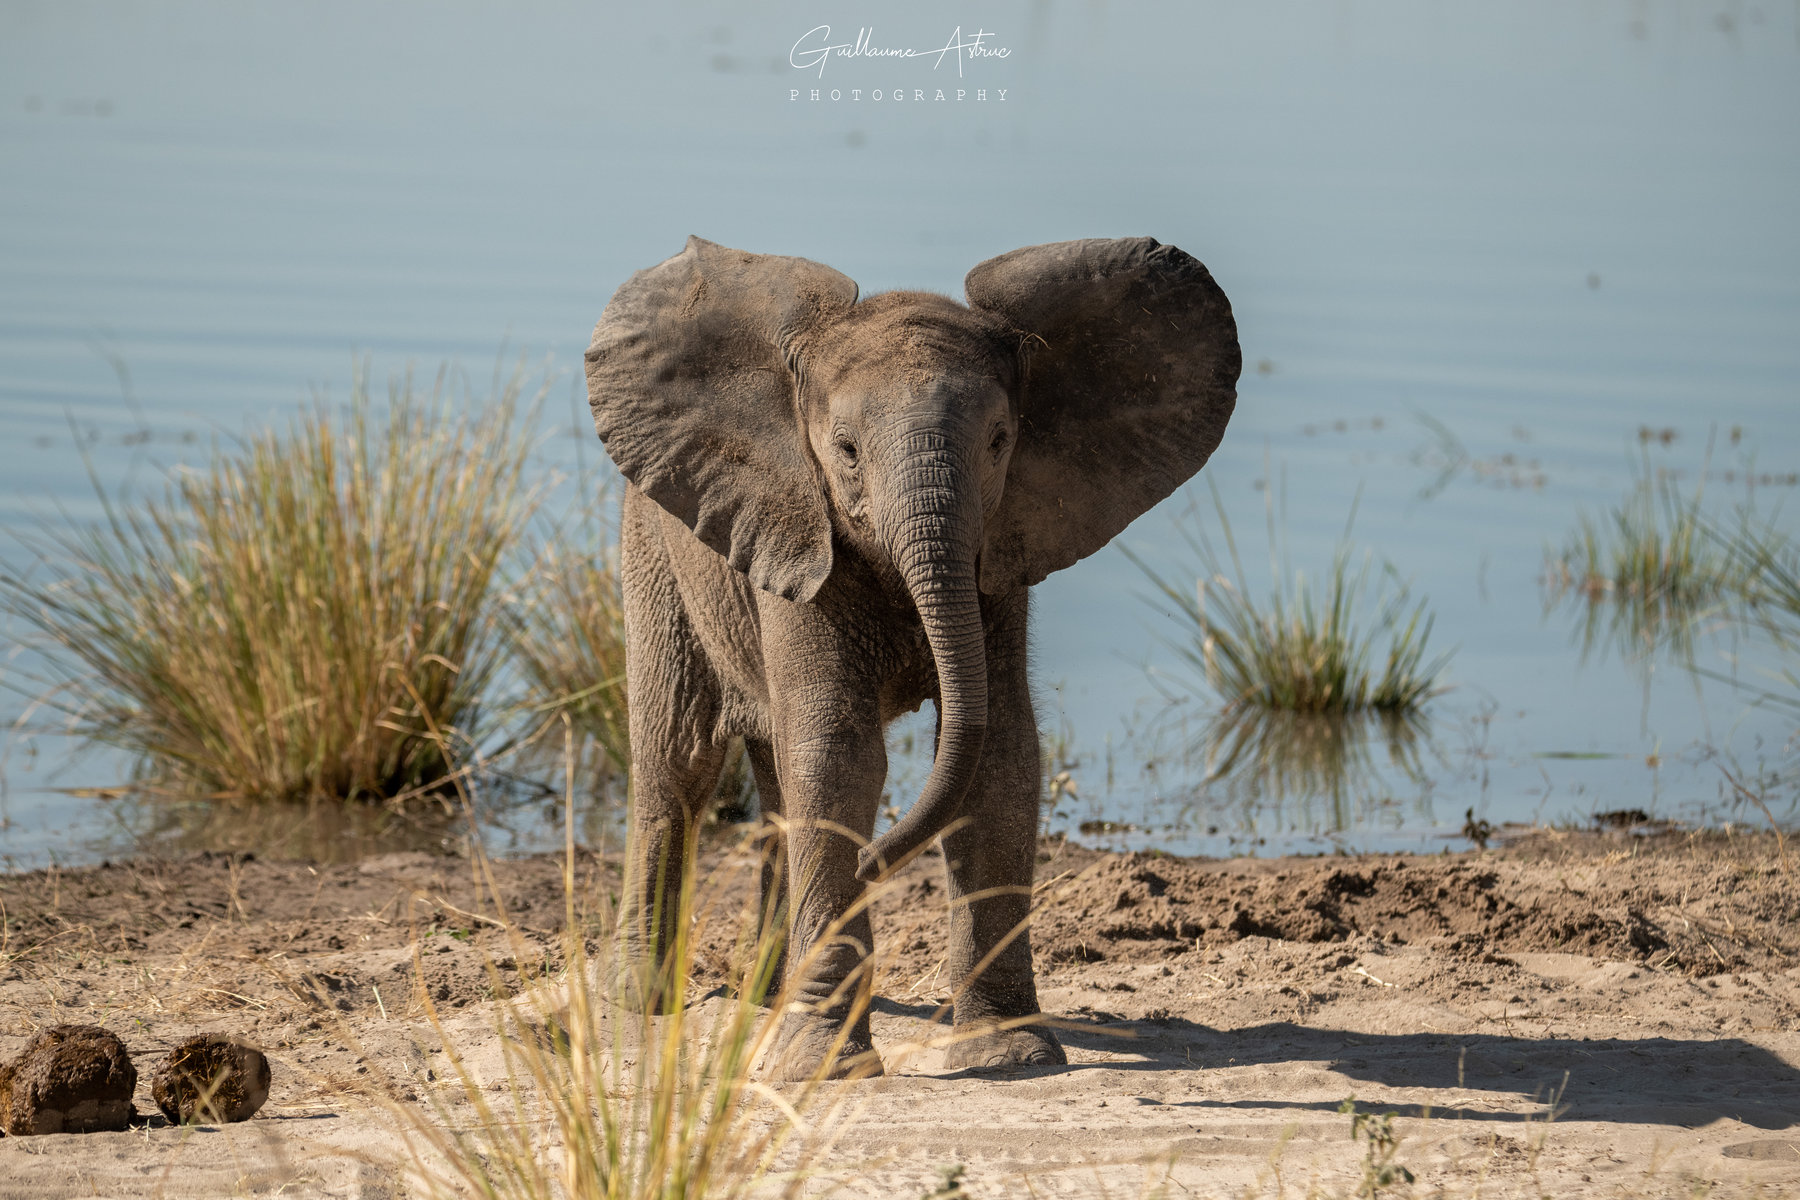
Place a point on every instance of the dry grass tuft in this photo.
(278, 624)
(567, 637)
(603, 1103)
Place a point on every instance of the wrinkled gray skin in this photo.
(834, 511)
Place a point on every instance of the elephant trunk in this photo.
(934, 548)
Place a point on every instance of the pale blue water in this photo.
(1544, 225)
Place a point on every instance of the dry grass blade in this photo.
(598, 1102)
(1737, 786)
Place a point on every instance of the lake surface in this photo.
(1473, 251)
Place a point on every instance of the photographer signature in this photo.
(815, 46)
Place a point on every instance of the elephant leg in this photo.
(668, 805)
(989, 862)
(675, 761)
(830, 939)
(831, 761)
(772, 918)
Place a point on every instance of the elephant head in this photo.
(958, 450)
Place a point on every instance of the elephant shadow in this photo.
(1648, 1081)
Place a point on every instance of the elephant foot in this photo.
(639, 986)
(1027, 1046)
(818, 1048)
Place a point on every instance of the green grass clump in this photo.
(1765, 566)
(1765, 569)
(1646, 571)
(307, 615)
(1305, 649)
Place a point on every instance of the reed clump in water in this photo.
(1646, 571)
(281, 623)
(1307, 648)
(1271, 759)
(1764, 566)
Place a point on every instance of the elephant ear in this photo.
(692, 393)
(1130, 368)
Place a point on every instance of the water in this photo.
(1540, 226)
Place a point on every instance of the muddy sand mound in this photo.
(1697, 914)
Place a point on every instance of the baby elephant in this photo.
(834, 510)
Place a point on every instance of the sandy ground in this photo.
(1569, 1015)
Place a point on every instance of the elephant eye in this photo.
(999, 442)
(847, 448)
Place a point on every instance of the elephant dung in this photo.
(210, 1079)
(68, 1079)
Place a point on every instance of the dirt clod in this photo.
(211, 1080)
(68, 1079)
